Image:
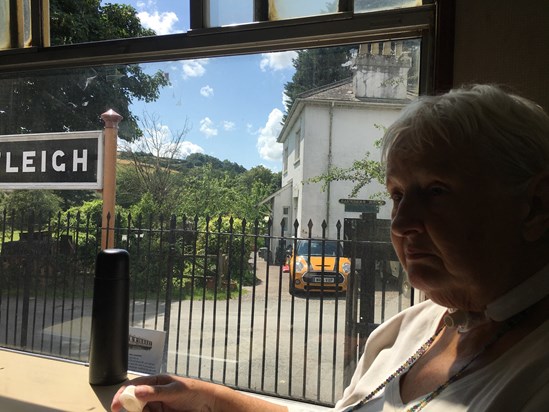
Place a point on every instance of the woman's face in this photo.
(455, 226)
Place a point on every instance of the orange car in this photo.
(318, 265)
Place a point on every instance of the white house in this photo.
(334, 126)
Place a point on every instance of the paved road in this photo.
(302, 337)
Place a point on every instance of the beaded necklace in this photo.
(420, 352)
(400, 370)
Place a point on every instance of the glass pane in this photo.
(4, 25)
(208, 93)
(362, 6)
(72, 99)
(22, 19)
(81, 22)
(287, 9)
(388, 70)
(225, 128)
(27, 23)
(230, 12)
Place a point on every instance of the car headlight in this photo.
(300, 265)
(346, 267)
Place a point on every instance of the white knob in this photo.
(129, 401)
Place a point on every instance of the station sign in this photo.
(71, 160)
(362, 205)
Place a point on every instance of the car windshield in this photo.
(317, 247)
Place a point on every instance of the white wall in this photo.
(355, 134)
(352, 131)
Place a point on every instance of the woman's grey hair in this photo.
(509, 132)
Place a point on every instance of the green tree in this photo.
(128, 186)
(145, 207)
(261, 174)
(72, 198)
(361, 173)
(254, 186)
(156, 171)
(212, 192)
(79, 96)
(225, 237)
(206, 192)
(199, 159)
(43, 203)
(318, 67)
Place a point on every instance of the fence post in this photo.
(27, 266)
(169, 290)
(111, 119)
(351, 308)
(370, 243)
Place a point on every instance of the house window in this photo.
(297, 148)
(285, 160)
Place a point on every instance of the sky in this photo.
(231, 106)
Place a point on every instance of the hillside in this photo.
(194, 160)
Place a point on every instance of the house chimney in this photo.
(381, 71)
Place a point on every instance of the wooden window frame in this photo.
(432, 22)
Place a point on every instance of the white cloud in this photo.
(188, 148)
(206, 91)
(267, 146)
(161, 23)
(207, 127)
(149, 3)
(277, 61)
(228, 126)
(160, 138)
(194, 68)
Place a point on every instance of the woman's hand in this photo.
(167, 393)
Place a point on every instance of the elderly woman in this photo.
(468, 175)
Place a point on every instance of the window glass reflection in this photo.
(230, 12)
(15, 15)
(27, 23)
(208, 91)
(4, 25)
(253, 113)
(287, 9)
(362, 6)
(73, 99)
(81, 22)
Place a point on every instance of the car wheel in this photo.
(291, 287)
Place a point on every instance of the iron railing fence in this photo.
(208, 283)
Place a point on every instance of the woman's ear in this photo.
(536, 223)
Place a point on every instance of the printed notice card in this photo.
(146, 348)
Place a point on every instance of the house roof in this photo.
(341, 91)
(279, 191)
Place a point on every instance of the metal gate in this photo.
(378, 287)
